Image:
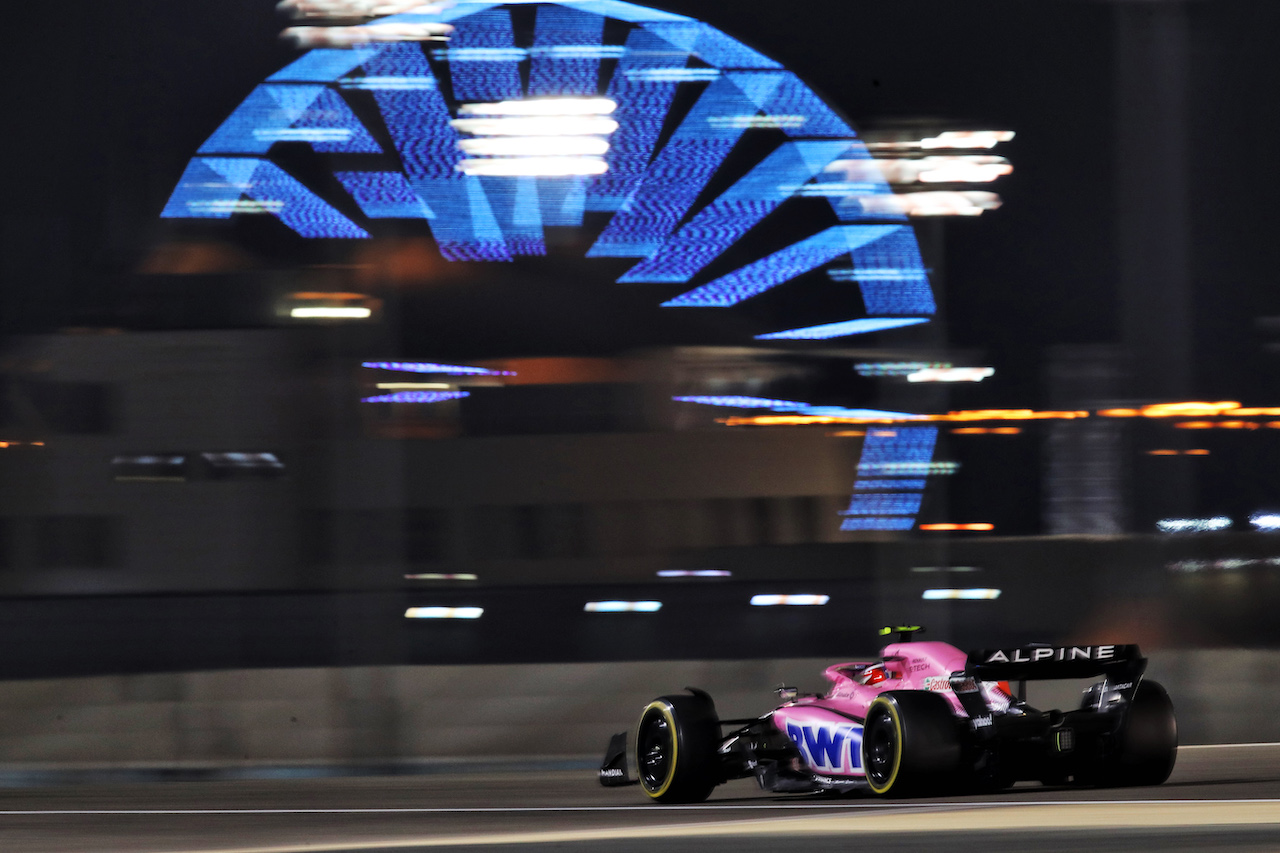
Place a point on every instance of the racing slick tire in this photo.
(675, 742)
(910, 744)
(1146, 744)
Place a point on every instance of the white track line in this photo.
(838, 807)
(1226, 745)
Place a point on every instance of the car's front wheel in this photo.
(676, 741)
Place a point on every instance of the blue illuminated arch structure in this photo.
(651, 191)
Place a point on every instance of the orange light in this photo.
(1184, 410)
(1272, 424)
(1162, 453)
(884, 433)
(1195, 425)
(1238, 425)
(950, 526)
(1254, 413)
(1197, 452)
(986, 430)
(1118, 413)
(847, 433)
(338, 297)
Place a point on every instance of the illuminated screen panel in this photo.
(324, 65)
(754, 279)
(887, 523)
(217, 187)
(882, 485)
(884, 447)
(384, 195)
(676, 176)
(482, 63)
(907, 503)
(891, 275)
(282, 112)
(710, 45)
(724, 221)
(562, 61)
(643, 103)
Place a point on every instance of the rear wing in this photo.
(1118, 663)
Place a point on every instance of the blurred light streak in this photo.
(951, 374)
(694, 573)
(757, 121)
(843, 329)
(987, 431)
(413, 386)
(534, 146)
(954, 169)
(444, 613)
(980, 525)
(4, 445)
(542, 107)
(933, 203)
(1169, 452)
(331, 313)
(432, 367)
(417, 397)
(894, 368)
(961, 594)
(847, 433)
(797, 600)
(536, 125)
(672, 75)
(344, 37)
(1265, 520)
(741, 402)
(348, 9)
(622, 606)
(534, 166)
(439, 576)
(1193, 525)
(967, 139)
(885, 418)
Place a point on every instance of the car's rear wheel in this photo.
(676, 741)
(910, 744)
(1147, 744)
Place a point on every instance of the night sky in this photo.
(106, 102)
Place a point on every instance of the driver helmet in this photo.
(873, 674)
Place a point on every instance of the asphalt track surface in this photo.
(1219, 798)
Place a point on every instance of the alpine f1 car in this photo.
(923, 718)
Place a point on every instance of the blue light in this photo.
(417, 397)
(840, 330)
(493, 79)
(642, 108)
(739, 402)
(884, 504)
(384, 195)
(216, 187)
(565, 72)
(710, 45)
(890, 484)
(432, 367)
(891, 275)
(325, 64)
(779, 267)
(724, 221)
(887, 446)
(627, 11)
(676, 176)
(885, 523)
(284, 113)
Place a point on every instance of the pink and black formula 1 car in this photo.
(924, 718)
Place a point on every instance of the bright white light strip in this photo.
(302, 134)
(537, 166)
(536, 126)
(480, 54)
(961, 594)
(444, 613)
(387, 83)
(672, 75)
(534, 146)
(951, 374)
(438, 576)
(964, 173)
(336, 313)
(243, 205)
(802, 600)
(1265, 520)
(771, 121)
(967, 139)
(1193, 525)
(542, 107)
(695, 573)
(622, 606)
(414, 386)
